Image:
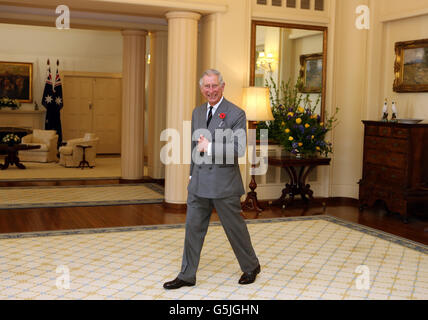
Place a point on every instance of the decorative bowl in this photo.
(409, 121)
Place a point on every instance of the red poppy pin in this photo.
(222, 115)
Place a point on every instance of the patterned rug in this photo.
(105, 168)
(318, 257)
(86, 195)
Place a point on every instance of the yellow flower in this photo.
(313, 137)
(300, 109)
(282, 123)
(298, 121)
(321, 123)
(307, 125)
(291, 138)
(290, 114)
(300, 144)
(318, 148)
(287, 130)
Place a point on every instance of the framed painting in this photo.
(411, 66)
(311, 72)
(16, 81)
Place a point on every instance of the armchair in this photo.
(47, 139)
(71, 154)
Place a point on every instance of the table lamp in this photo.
(257, 108)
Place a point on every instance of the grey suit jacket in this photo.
(218, 176)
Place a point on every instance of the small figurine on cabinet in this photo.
(385, 111)
(394, 113)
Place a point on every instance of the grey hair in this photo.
(211, 72)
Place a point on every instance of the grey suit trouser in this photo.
(197, 220)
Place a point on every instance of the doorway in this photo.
(93, 103)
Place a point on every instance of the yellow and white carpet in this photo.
(317, 257)
(86, 195)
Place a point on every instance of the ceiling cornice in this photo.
(102, 14)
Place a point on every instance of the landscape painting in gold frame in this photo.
(16, 81)
(311, 72)
(411, 66)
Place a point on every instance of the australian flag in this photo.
(53, 102)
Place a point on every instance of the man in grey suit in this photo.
(218, 139)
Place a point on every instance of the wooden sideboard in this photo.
(395, 165)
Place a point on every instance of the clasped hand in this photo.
(202, 144)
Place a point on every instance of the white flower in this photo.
(11, 137)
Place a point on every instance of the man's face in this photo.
(211, 89)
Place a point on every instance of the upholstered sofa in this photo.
(70, 155)
(48, 141)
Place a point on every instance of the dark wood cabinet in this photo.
(395, 165)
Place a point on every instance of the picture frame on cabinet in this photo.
(411, 66)
(16, 81)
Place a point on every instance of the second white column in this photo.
(134, 64)
(181, 95)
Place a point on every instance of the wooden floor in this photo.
(44, 219)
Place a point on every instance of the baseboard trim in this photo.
(143, 180)
(332, 201)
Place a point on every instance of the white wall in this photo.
(77, 50)
(348, 94)
(409, 105)
(307, 45)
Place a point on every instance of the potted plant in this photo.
(296, 125)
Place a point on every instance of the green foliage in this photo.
(296, 126)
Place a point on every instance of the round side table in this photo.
(84, 163)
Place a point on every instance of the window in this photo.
(305, 4)
(319, 5)
(291, 3)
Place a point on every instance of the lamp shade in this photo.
(257, 104)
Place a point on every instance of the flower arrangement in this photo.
(11, 103)
(296, 125)
(11, 139)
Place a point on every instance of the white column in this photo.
(157, 101)
(349, 90)
(181, 94)
(132, 153)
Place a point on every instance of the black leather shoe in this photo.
(249, 277)
(177, 283)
